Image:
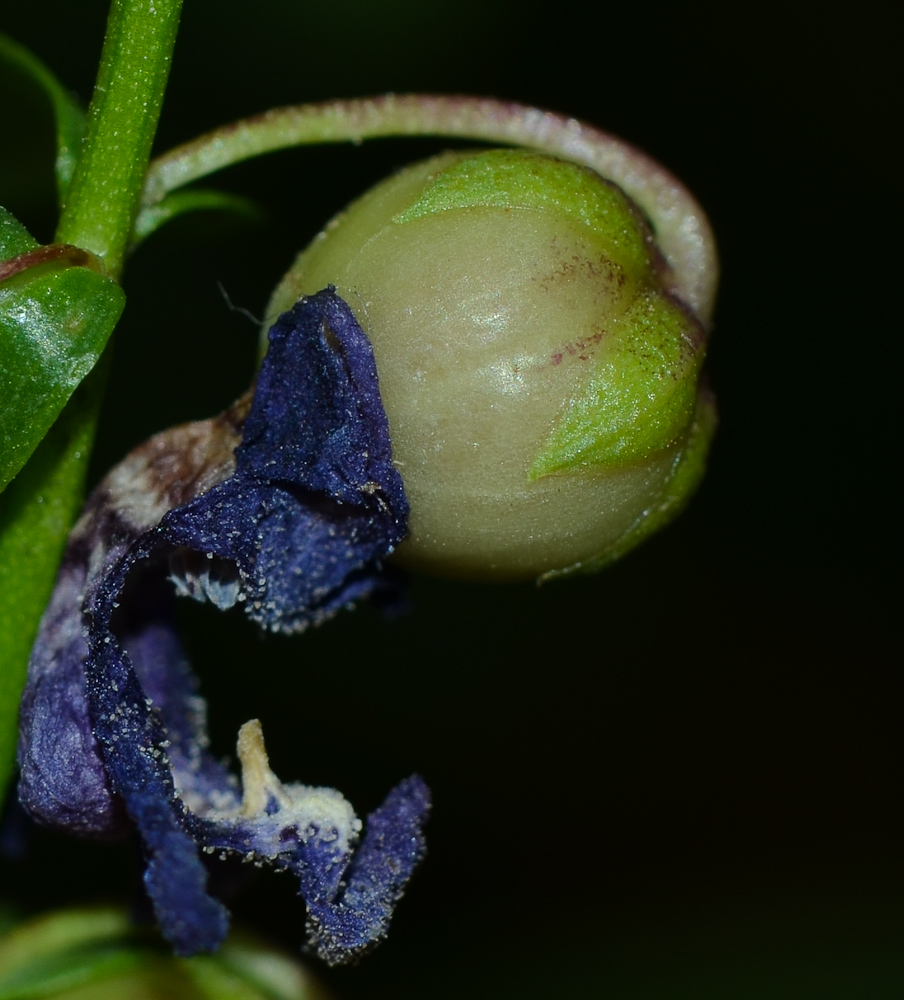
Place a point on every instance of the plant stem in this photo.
(41, 503)
(682, 229)
(122, 119)
(36, 512)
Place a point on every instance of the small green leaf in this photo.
(68, 113)
(54, 322)
(150, 219)
(15, 239)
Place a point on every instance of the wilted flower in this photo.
(286, 504)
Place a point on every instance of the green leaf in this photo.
(55, 320)
(253, 966)
(15, 239)
(68, 113)
(150, 219)
(59, 951)
(99, 954)
(57, 974)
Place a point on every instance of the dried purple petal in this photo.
(287, 503)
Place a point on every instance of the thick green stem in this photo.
(104, 196)
(682, 228)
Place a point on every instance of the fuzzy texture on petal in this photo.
(286, 503)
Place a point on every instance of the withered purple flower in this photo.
(286, 503)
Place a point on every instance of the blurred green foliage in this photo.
(98, 954)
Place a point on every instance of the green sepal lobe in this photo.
(639, 400)
(515, 179)
(685, 476)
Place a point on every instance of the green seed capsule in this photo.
(539, 372)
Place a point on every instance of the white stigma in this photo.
(259, 783)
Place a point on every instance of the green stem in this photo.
(682, 228)
(122, 119)
(36, 512)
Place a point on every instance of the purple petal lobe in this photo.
(375, 880)
(63, 780)
(134, 743)
(286, 503)
(315, 500)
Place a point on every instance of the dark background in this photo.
(681, 778)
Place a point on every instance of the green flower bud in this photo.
(538, 367)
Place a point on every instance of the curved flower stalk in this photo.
(287, 504)
(681, 226)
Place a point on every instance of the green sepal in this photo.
(639, 399)
(55, 320)
(684, 477)
(69, 116)
(515, 179)
(151, 218)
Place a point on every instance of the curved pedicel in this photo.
(680, 224)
